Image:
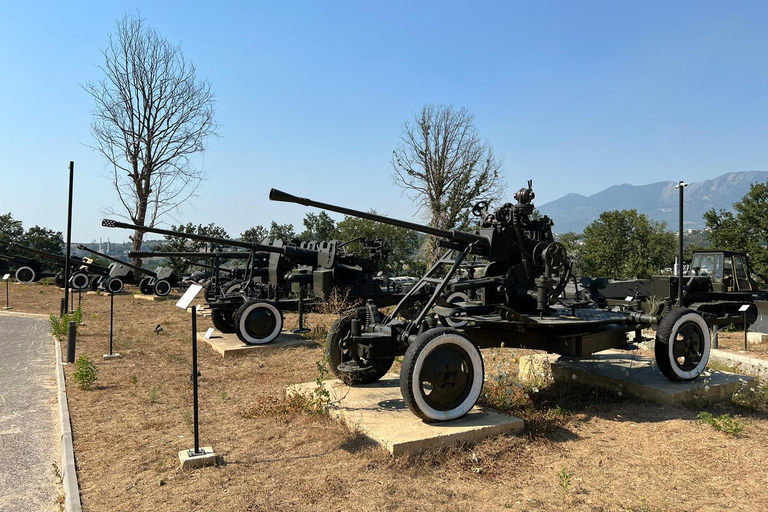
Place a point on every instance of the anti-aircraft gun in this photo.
(255, 314)
(517, 305)
(31, 269)
(160, 281)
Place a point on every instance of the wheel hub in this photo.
(260, 323)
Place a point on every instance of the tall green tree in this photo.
(747, 230)
(254, 235)
(622, 244)
(284, 232)
(319, 227)
(181, 244)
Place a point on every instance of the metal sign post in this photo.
(111, 354)
(198, 457)
(743, 310)
(7, 293)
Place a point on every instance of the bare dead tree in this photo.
(151, 115)
(445, 167)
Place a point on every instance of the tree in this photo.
(625, 244)
(181, 244)
(319, 227)
(11, 230)
(151, 116)
(746, 231)
(283, 232)
(254, 235)
(445, 167)
(403, 243)
(573, 244)
(44, 239)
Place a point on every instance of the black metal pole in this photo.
(194, 380)
(111, 319)
(745, 331)
(681, 185)
(7, 296)
(72, 300)
(71, 339)
(69, 235)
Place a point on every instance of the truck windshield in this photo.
(709, 265)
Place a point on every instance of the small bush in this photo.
(564, 479)
(723, 423)
(86, 372)
(751, 395)
(59, 326)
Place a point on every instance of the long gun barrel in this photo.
(286, 250)
(121, 262)
(56, 257)
(451, 234)
(161, 254)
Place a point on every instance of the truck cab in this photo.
(728, 270)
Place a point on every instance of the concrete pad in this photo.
(741, 362)
(112, 356)
(377, 410)
(756, 337)
(155, 298)
(639, 376)
(191, 460)
(229, 345)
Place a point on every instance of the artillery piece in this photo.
(517, 305)
(160, 281)
(255, 312)
(31, 270)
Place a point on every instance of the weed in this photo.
(564, 479)
(224, 395)
(188, 418)
(329, 309)
(86, 372)
(723, 423)
(153, 396)
(134, 380)
(60, 326)
(751, 395)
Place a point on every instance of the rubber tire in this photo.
(95, 282)
(145, 286)
(162, 288)
(368, 370)
(25, 275)
(451, 299)
(666, 335)
(79, 280)
(260, 307)
(415, 370)
(232, 286)
(58, 280)
(114, 285)
(223, 320)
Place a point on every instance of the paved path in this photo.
(29, 429)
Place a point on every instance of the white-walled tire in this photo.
(79, 280)
(258, 322)
(442, 375)
(162, 288)
(454, 298)
(682, 345)
(145, 286)
(25, 275)
(114, 285)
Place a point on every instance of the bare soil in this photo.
(582, 449)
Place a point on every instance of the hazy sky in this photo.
(311, 97)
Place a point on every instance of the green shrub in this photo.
(86, 372)
(59, 326)
(724, 423)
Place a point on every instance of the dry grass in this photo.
(618, 454)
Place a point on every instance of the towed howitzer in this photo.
(517, 304)
(255, 314)
(31, 270)
(160, 281)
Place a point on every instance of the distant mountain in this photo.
(659, 201)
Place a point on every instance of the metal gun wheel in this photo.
(145, 286)
(347, 365)
(258, 321)
(162, 288)
(94, 284)
(454, 298)
(682, 345)
(442, 375)
(79, 280)
(223, 320)
(114, 285)
(25, 275)
(58, 280)
(232, 286)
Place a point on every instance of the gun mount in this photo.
(516, 303)
(31, 270)
(254, 310)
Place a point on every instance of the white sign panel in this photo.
(208, 333)
(6, 276)
(744, 307)
(189, 296)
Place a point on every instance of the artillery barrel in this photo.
(121, 262)
(154, 254)
(286, 250)
(56, 257)
(452, 234)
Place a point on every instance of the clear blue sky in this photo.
(577, 95)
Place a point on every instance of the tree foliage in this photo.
(181, 244)
(319, 227)
(403, 243)
(254, 235)
(747, 230)
(36, 237)
(445, 166)
(622, 244)
(151, 115)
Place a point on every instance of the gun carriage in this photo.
(517, 304)
(31, 269)
(295, 276)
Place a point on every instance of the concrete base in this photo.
(112, 356)
(377, 410)
(756, 337)
(191, 460)
(741, 362)
(229, 345)
(7, 307)
(155, 298)
(639, 376)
